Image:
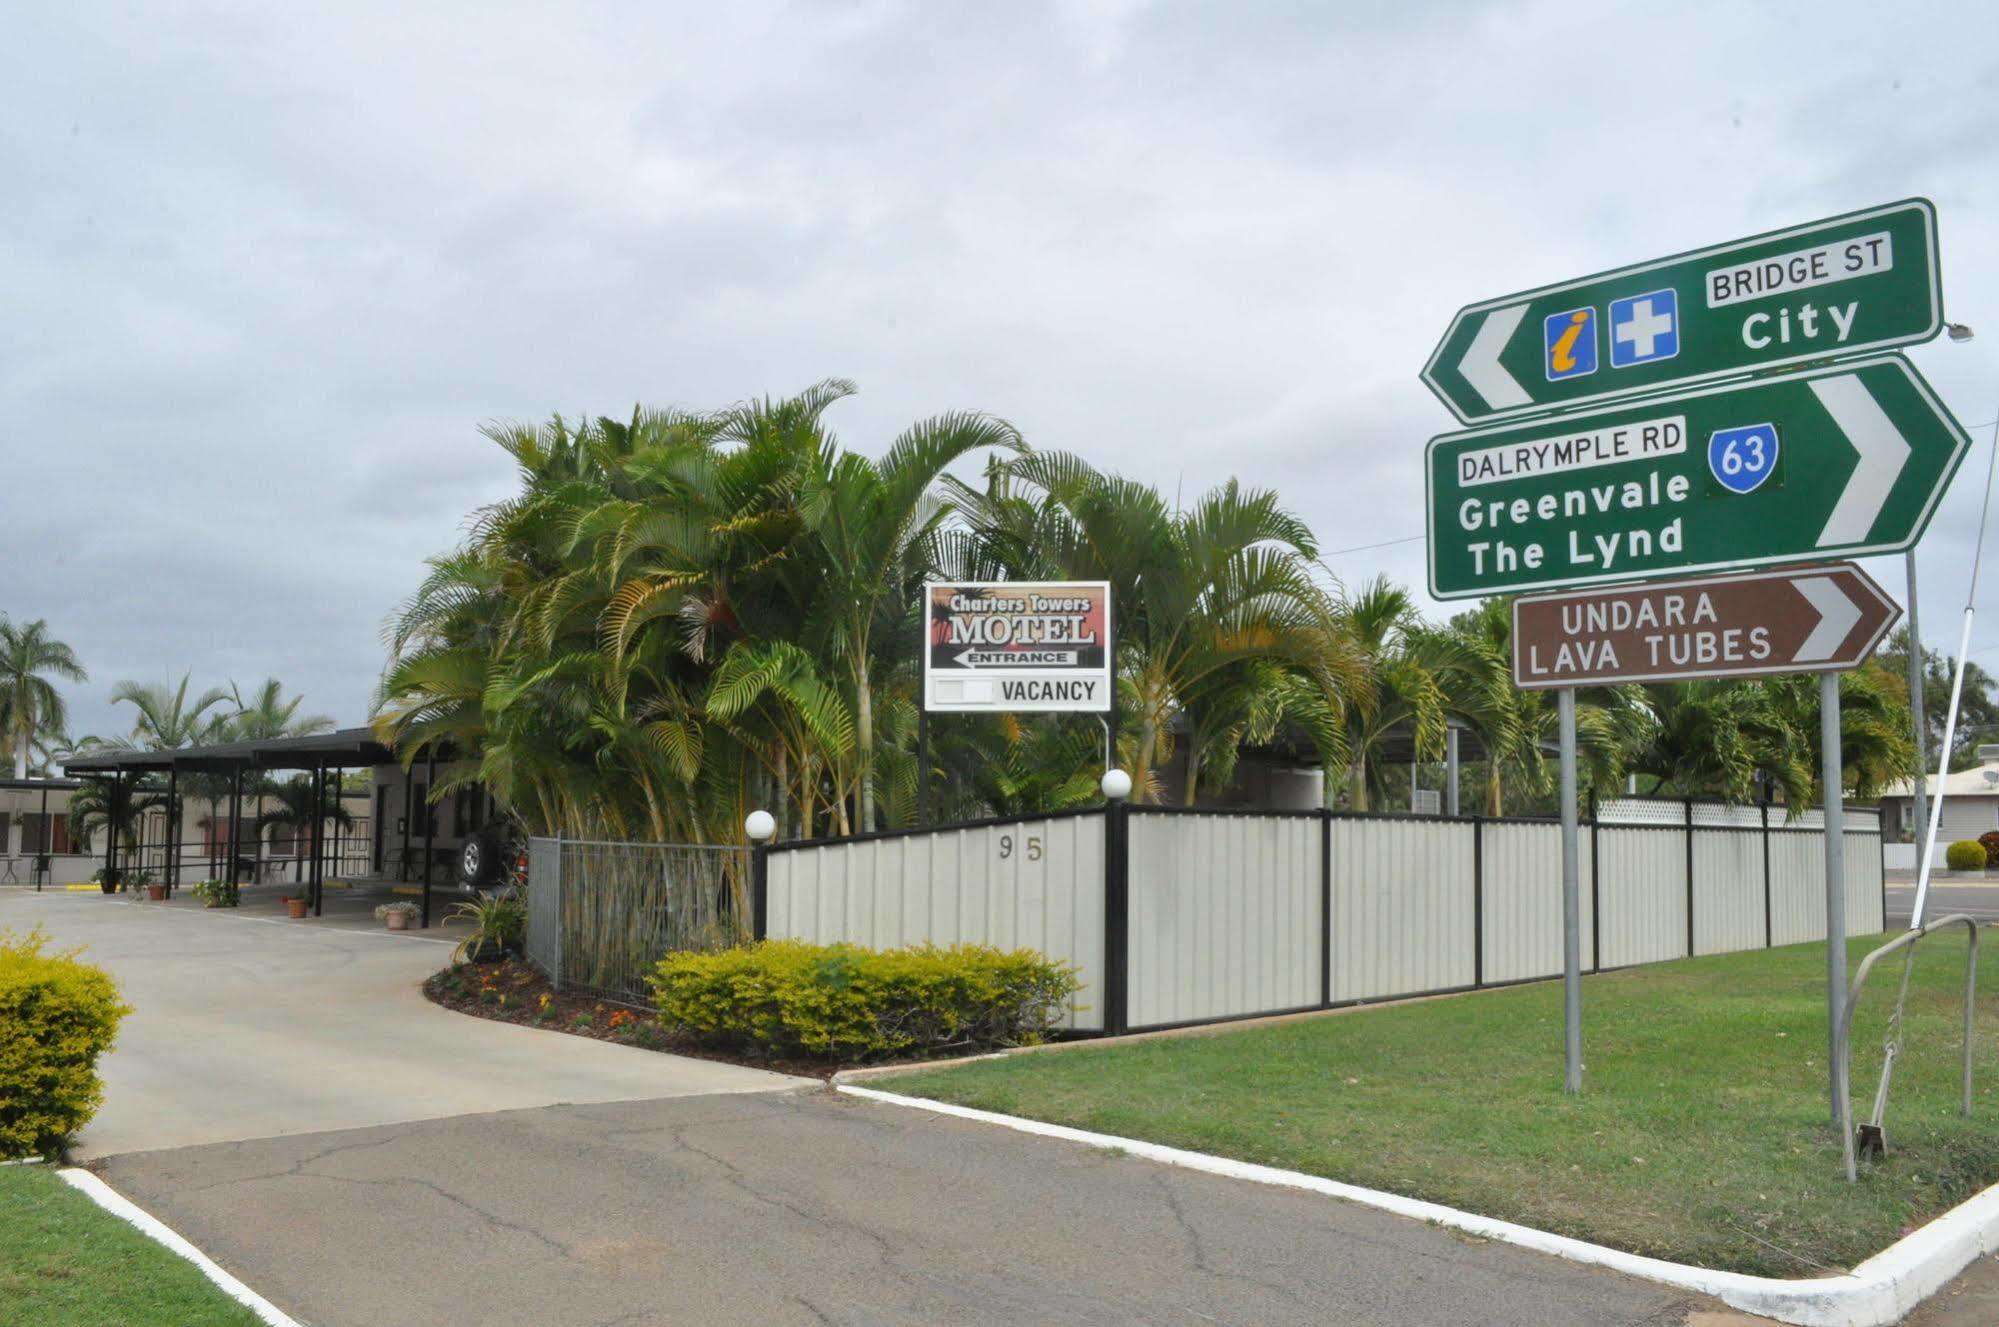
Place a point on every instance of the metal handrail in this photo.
(1906, 938)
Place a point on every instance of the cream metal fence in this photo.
(1178, 916)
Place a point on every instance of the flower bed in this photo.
(513, 991)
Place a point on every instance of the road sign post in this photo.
(1572, 908)
(1844, 286)
(1838, 461)
(1798, 620)
(1671, 459)
(1833, 796)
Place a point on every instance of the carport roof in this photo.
(346, 748)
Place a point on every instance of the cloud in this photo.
(267, 271)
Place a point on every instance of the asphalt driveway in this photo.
(1947, 895)
(248, 1025)
(809, 1207)
(286, 1098)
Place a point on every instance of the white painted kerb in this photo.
(117, 1204)
(1877, 1293)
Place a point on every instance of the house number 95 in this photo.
(1033, 847)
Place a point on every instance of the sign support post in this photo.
(1833, 796)
(1572, 913)
(1920, 813)
(922, 764)
(1583, 469)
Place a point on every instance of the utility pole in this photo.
(1921, 802)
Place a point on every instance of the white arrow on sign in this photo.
(1837, 614)
(1883, 452)
(1481, 367)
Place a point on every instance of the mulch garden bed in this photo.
(512, 991)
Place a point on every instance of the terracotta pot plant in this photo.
(295, 905)
(397, 916)
(218, 894)
(155, 892)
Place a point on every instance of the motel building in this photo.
(300, 815)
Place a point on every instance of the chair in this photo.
(396, 859)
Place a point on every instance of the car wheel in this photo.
(480, 864)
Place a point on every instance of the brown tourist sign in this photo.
(1815, 619)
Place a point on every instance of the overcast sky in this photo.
(264, 269)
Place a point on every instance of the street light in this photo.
(1919, 804)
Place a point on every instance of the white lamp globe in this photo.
(1116, 785)
(760, 825)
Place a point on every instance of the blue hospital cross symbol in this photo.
(1644, 328)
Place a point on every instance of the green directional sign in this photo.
(1840, 461)
(1861, 282)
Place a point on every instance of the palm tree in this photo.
(166, 719)
(1519, 727)
(294, 811)
(91, 806)
(680, 615)
(267, 714)
(1214, 604)
(1407, 667)
(570, 646)
(1874, 725)
(773, 693)
(30, 705)
(1712, 737)
(29, 701)
(870, 526)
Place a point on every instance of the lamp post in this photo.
(759, 827)
(1919, 804)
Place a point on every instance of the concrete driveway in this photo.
(249, 1025)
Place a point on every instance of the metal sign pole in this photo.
(1920, 818)
(1831, 777)
(923, 760)
(1572, 929)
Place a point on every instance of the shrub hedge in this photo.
(1965, 855)
(789, 998)
(57, 1015)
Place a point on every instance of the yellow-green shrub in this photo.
(791, 998)
(57, 1015)
(1965, 855)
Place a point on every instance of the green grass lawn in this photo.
(1702, 1134)
(66, 1262)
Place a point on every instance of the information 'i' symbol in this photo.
(1570, 338)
